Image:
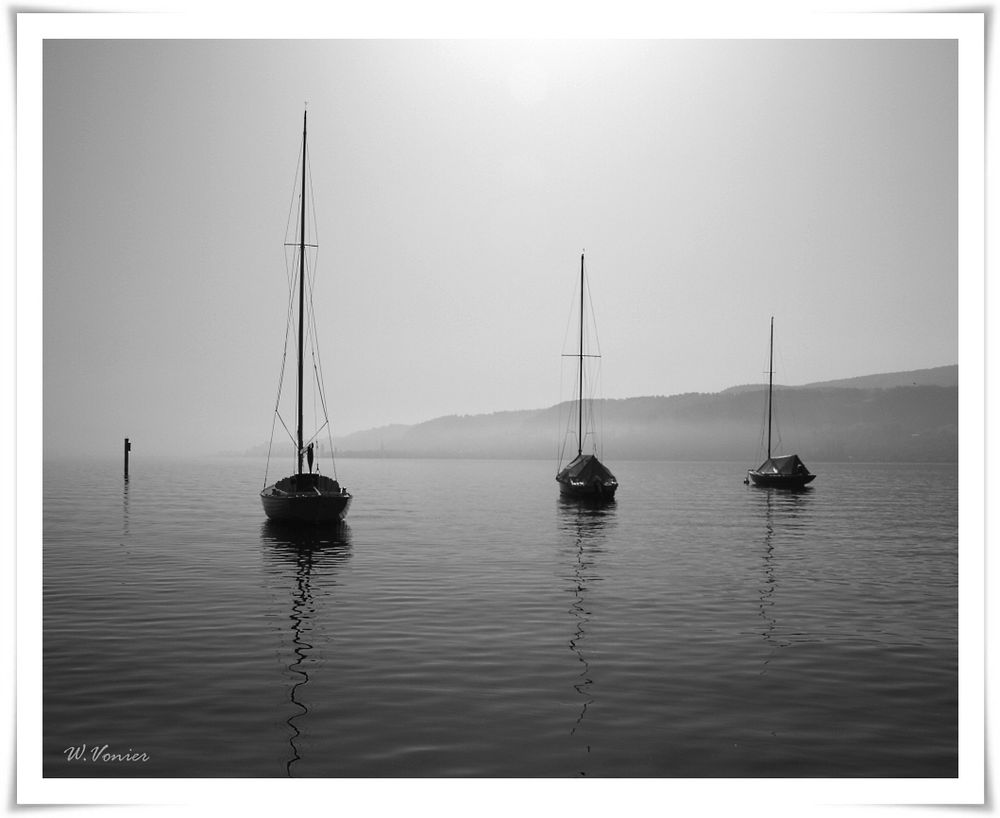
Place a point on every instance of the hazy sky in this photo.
(712, 183)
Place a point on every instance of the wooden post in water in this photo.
(128, 448)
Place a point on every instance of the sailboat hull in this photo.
(780, 481)
(590, 491)
(309, 500)
(587, 478)
(305, 510)
(782, 472)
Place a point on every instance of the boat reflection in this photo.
(587, 526)
(125, 509)
(768, 586)
(314, 556)
(785, 518)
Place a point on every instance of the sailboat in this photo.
(781, 471)
(306, 497)
(585, 477)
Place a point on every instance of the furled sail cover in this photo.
(789, 464)
(586, 467)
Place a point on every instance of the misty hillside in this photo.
(908, 416)
(938, 376)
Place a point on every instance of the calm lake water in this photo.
(465, 622)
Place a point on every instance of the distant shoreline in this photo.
(903, 417)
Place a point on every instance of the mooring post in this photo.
(128, 448)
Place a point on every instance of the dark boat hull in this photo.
(308, 499)
(588, 491)
(780, 481)
(587, 478)
(785, 471)
(301, 508)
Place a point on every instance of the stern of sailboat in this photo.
(306, 498)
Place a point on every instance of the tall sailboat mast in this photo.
(784, 471)
(579, 426)
(585, 476)
(770, 380)
(301, 498)
(302, 287)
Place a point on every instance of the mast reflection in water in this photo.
(587, 523)
(125, 511)
(314, 556)
(784, 519)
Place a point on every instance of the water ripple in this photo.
(696, 627)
